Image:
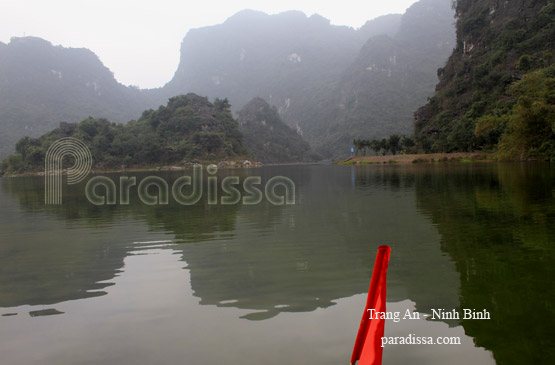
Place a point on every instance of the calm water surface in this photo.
(239, 284)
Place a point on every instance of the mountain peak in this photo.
(256, 104)
(249, 16)
(388, 24)
(267, 137)
(29, 42)
(246, 15)
(317, 18)
(293, 14)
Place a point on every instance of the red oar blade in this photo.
(368, 347)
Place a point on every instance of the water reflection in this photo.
(496, 222)
(463, 236)
(51, 254)
(266, 258)
(321, 250)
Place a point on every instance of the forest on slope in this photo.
(497, 90)
(268, 138)
(189, 128)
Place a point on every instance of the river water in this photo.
(283, 284)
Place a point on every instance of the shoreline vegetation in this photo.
(242, 164)
(460, 157)
(400, 159)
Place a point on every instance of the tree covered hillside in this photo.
(268, 138)
(497, 91)
(188, 128)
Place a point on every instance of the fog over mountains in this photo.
(42, 85)
(329, 83)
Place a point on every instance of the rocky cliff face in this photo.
(282, 58)
(268, 138)
(498, 42)
(291, 60)
(331, 83)
(390, 78)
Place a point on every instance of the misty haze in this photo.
(429, 130)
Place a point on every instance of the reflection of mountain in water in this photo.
(302, 257)
(265, 258)
(44, 260)
(490, 245)
(497, 223)
(57, 253)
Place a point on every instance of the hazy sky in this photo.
(139, 40)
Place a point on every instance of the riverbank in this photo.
(357, 160)
(418, 158)
(242, 164)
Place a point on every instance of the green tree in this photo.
(375, 145)
(524, 63)
(384, 146)
(357, 144)
(394, 143)
(222, 104)
(530, 131)
(407, 144)
(15, 163)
